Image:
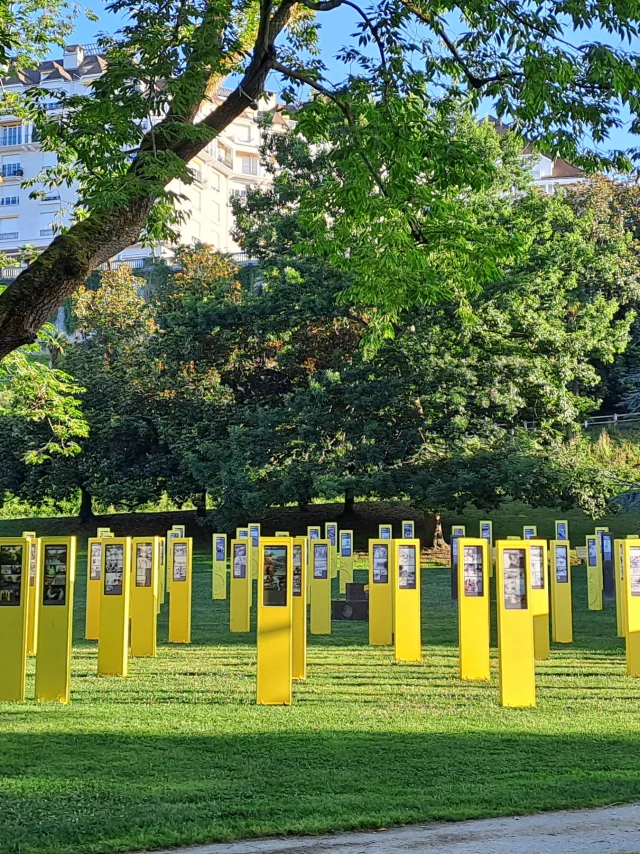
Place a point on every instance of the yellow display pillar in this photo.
(162, 573)
(241, 534)
(331, 534)
(486, 533)
(254, 536)
(621, 616)
(181, 581)
(144, 596)
(320, 571)
(515, 625)
(562, 529)
(380, 593)
(113, 642)
(14, 616)
(385, 532)
(457, 531)
(282, 533)
(530, 532)
(240, 587)
(35, 585)
(346, 560)
(299, 605)
(95, 546)
(473, 608)
(55, 619)
(313, 533)
(275, 617)
(408, 529)
(561, 601)
(538, 567)
(407, 638)
(631, 564)
(172, 535)
(103, 533)
(219, 586)
(594, 575)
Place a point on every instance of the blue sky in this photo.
(336, 27)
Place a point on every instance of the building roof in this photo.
(560, 168)
(53, 70)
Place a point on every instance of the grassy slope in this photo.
(178, 752)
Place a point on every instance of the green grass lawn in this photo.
(179, 753)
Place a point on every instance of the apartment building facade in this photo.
(225, 168)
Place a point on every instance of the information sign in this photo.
(408, 529)
(385, 532)
(14, 616)
(115, 607)
(594, 574)
(561, 604)
(219, 575)
(239, 588)
(515, 624)
(457, 531)
(407, 640)
(320, 623)
(346, 560)
(180, 603)
(562, 529)
(299, 609)
(144, 596)
(473, 608)
(275, 616)
(380, 593)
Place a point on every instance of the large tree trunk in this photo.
(200, 500)
(70, 258)
(85, 513)
(349, 503)
(438, 536)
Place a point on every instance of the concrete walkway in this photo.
(603, 831)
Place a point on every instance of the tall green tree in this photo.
(408, 70)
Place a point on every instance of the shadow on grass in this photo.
(70, 792)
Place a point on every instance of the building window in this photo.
(215, 211)
(245, 133)
(9, 201)
(7, 227)
(239, 194)
(11, 135)
(225, 156)
(12, 170)
(214, 181)
(249, 164)
(46, 224)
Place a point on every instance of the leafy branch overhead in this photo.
(160, 102)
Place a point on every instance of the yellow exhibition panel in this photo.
(621, 615)
(529, 532)
(380, 593)
(181, 581)
(172, 535)
(113, 643)
(242, 534)
(320, 572)
(144, 596)
(254, 536)
(561, 601)
(538, 568)
(162, 573)
(331, 534)
(14, 616)
(408, 529)
(219, 587)
(275, 612)
(473, 608)
(299, 606)
(594, 575)
(631, 562)
(95, 546)
(515, 625)
(562, 529)
(101, 533)
(282, 533)
(385, 532)
(457, 531)
(407, 639)
(240, 587)
(346, 560)
(313, 533)
(55, 619)
(35, 585)
(486, 533)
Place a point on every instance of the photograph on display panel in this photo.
(275, 575)
(297, 570)
(179, 562)
(345, 545)
(220, 549)
(407, 532)
(634, 570)
(239, 560)
(407, 567)
(54, 575)
(537, 569)
(95, 566)
(380, 564)
(113, 570)
(592, 552)
(320, 561)
(473, 571)
(514, 579)
(10, 575)
(562, 565)
(33, 562)
(144, 553)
